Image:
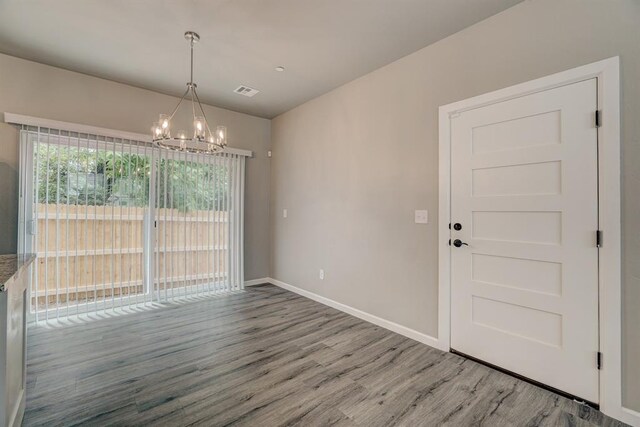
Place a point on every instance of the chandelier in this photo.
(201, 139)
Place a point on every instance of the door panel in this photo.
(524, 292)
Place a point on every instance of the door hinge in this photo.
(155, 224)
(598, 118)
(599, 360)
(598, 238)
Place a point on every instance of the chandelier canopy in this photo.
(201, 139)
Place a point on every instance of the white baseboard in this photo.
(255, 282)
(387, 324)
(628, 416)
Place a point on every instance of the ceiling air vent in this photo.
(246, 91)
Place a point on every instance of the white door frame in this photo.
(610, 283)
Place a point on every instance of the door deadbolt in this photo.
(457, 226)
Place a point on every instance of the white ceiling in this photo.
(322, 43)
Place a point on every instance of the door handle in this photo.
(457, 243)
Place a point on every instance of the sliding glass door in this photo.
(198, 224)
(117, 223)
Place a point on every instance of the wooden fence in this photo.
(87, 253)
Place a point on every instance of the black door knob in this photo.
(457, 243)
(457, 226)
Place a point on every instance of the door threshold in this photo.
(529, 380)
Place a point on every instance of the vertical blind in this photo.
(198, 224)
(116, 222)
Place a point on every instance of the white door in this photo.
(524, 186)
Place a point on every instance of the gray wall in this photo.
(352, 165)
(43, 91)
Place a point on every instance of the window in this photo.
(116, 223)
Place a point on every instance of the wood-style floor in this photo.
(268, 357)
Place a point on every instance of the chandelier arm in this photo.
(206, 123)
(179, 102)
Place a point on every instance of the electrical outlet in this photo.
(284, 213)
(321, 274)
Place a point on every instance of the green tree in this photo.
(86, 176)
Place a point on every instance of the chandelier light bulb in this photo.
(156, 131)
(164, 121)
(221, 135)
(163, 128)
(199, 127)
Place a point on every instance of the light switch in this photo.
(422, 217)
(284, 213)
